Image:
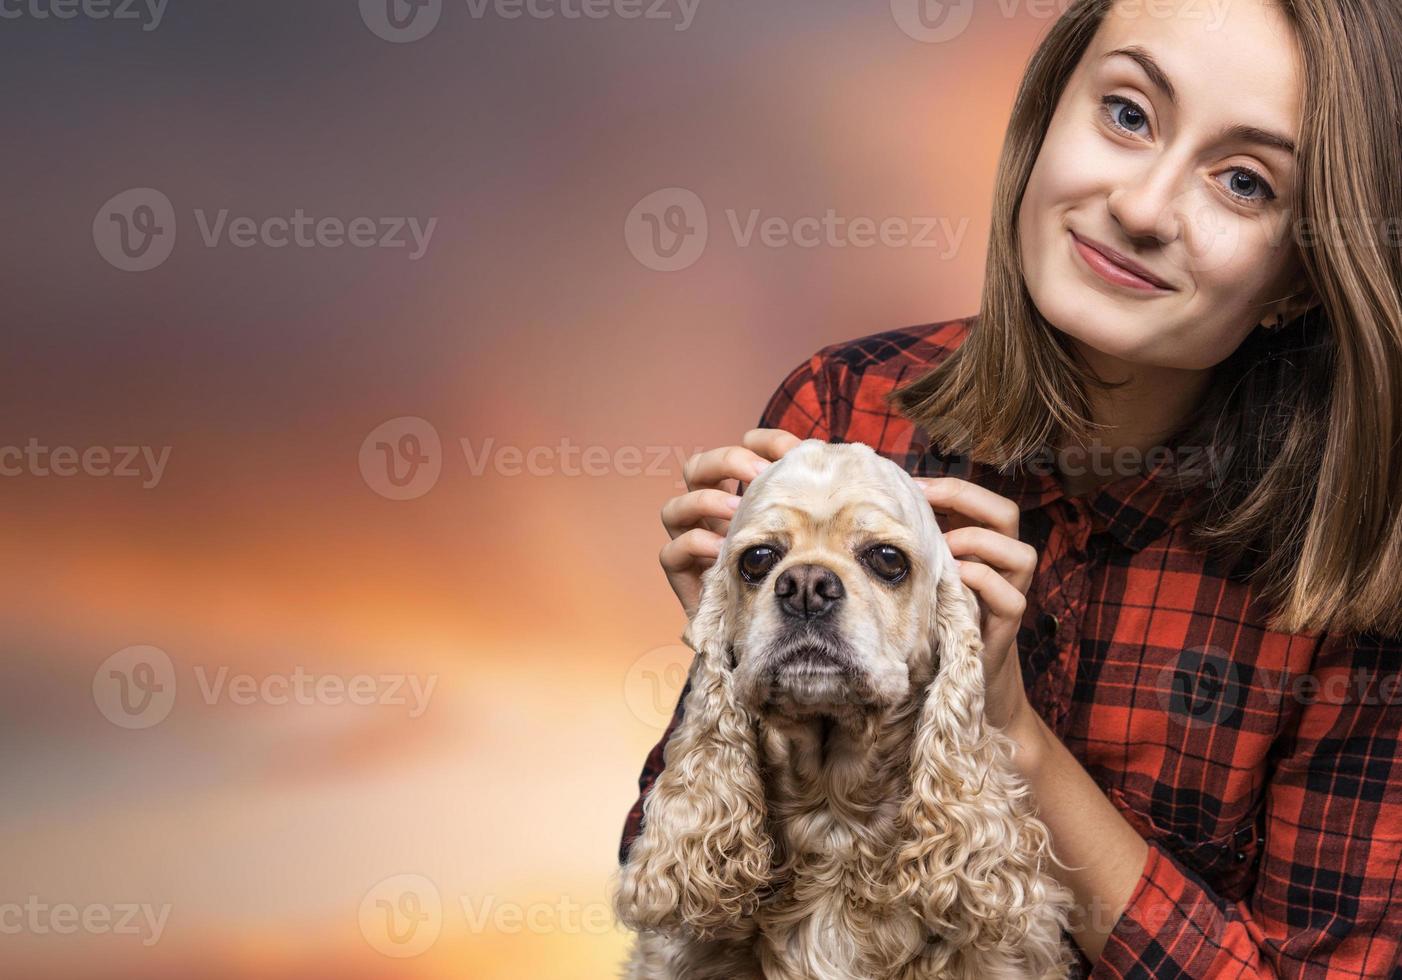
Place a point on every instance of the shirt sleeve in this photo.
(1327, 902)
(799, 405)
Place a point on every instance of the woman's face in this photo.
(1161, 180)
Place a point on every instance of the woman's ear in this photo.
(973, 856)
(704, 852)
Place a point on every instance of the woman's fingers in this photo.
(769, 443)
(967, 503)
(684, 558)
(982, 527)
(1002, 608)
(723, 470)
(712, 468)
(710, 509)
(686, 551)
(1015, 559)
(742, 463)
(999, 596)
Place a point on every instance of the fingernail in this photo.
(732, 501)
(759, 466)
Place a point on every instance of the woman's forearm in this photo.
(1087, 832)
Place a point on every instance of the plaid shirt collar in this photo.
(1135, 509)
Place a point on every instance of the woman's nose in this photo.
(1150, 203)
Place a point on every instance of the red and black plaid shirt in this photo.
(1262, 768)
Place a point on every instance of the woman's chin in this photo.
(1122, 340)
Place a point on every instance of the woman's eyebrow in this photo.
(1151, 68)
(1238, 133)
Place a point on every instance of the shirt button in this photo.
(1240, 856)
(1047, 624)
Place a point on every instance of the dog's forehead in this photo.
(824, 478)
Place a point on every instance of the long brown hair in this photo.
(1309, 507)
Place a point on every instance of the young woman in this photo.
(1166, 451)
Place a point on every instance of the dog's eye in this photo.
(887, 561)
(756, 562)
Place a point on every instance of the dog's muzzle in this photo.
(811, 670)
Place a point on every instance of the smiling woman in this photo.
(1152, 272)
(1154, 286)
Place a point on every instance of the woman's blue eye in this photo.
(1251, 181)
(1126, 115)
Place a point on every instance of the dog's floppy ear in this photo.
(704, 851)
(973, 857)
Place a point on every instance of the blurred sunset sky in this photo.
(538, 374)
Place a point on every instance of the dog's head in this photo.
(826, 585)
(835, 593)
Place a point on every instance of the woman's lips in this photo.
(1110, 271)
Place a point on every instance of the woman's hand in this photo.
(981, 527)
(697, 520)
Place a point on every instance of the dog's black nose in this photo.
(808, 591)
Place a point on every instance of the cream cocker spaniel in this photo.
(833, 805)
